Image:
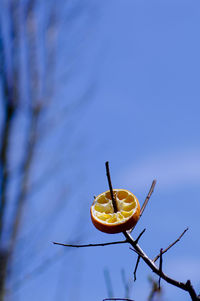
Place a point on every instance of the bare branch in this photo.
(4, 172)
(146, 201)
(148, 197)
(184, 286)
(110, 187)
(160, 267)
(138, 259)
(171, 245)
(141, 254)
(91, 245)
(9, 107)
(116, 299)
(136, 266)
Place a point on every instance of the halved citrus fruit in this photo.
(106, 220)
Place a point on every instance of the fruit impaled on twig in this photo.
(107, 220)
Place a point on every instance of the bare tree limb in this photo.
(10, 98)
(110, 187)
(138, 259)
(117, 299)
(184, 286)
(9, 106)
(91, 245)
(136, 266)
(9, 112)
(146, 201)
(148, 197)
(157, 270)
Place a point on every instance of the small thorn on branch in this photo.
(137, 239)
(110, 187)
(137, 252)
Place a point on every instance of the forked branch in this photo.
(141, 254)
(184, 286)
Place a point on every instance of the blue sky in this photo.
(142, 60)
(145, 121)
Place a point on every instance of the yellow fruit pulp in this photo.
(103, 210)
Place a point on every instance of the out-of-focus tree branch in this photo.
(28, 76)
(10, 78)
(9, 82)
(28, 157)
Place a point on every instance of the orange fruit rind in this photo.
(106, 220)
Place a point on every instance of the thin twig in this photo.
(148, 197)
(146, 201)
(160, 267)
(136, 266)
(91, 245)
(110, 187)
(137, 239)
(171, 245)
(116, 299)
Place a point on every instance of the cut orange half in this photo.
(106, 220)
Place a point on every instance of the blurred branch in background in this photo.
(108, 283)
(156, 292)
(29, 33)
(127, 284)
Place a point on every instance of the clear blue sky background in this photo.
(142, 60)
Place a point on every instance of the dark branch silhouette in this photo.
(171, 245)
(110, 187)
(92, 245)
(187, 286)
(160, 267)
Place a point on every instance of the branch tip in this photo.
(110, 187)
